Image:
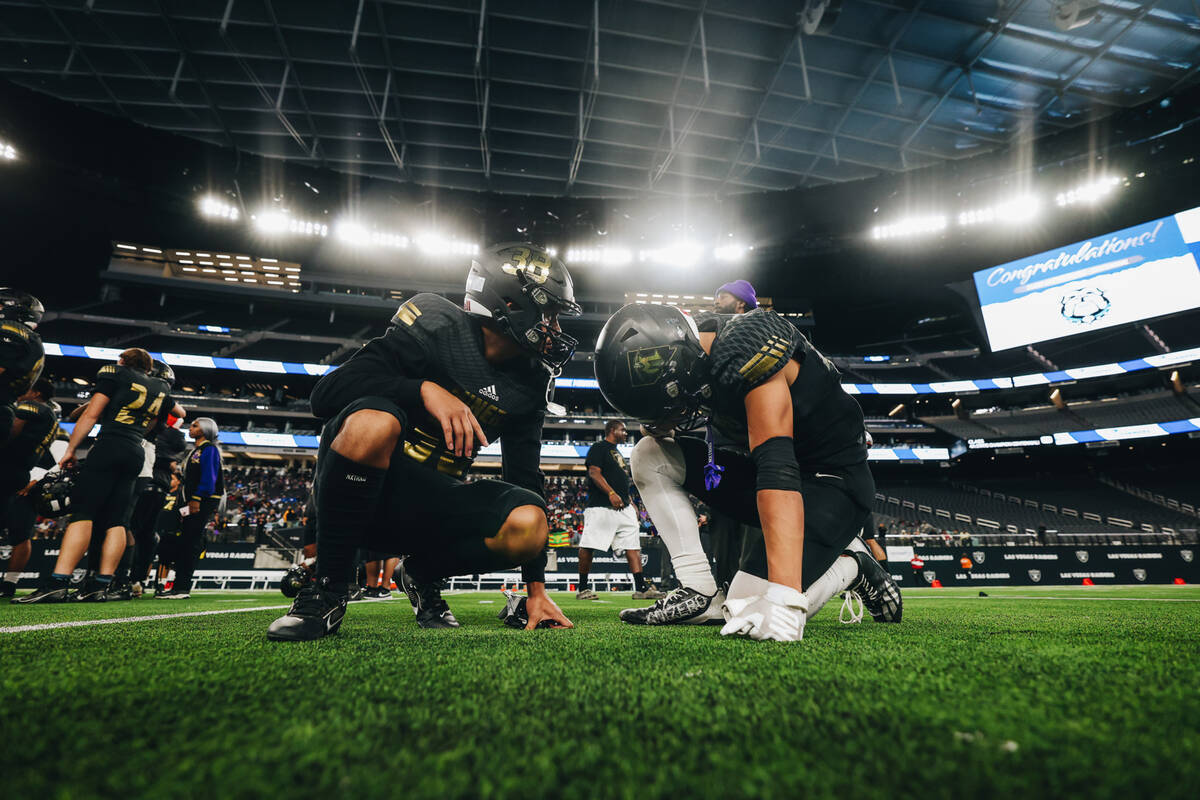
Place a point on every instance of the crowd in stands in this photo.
(266, 497)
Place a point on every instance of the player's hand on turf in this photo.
(459, 425)
(778, 615)
(541, 607)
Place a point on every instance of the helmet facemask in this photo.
(537, 330)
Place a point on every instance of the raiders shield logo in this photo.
(1035, 575)
(646, 364)
(1082, 555)
(1186, 555)
(1140, 574)
(978, 555)
(930, 575)
(6, 552)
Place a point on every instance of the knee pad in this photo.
(655, 460)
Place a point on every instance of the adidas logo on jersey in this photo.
(490, 393)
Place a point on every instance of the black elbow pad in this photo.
(775, 463)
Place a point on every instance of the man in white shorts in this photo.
(609, 520)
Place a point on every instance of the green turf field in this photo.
(1026, 693)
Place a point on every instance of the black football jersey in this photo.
(23, 452)
(827, 423)
(433, 339)
(21, 356)
(136, 402)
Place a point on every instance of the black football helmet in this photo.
(20, 306)
(162, 370)
(52, 494)
(523, 290)
(651, 366)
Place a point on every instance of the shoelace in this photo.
(849, 615)
(309, 601)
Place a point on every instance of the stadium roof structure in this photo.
(609, 97)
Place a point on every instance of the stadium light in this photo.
(277, 222)
(213, 207)
(676, 254)
(1018, 209)
(910, 226)
(730, 252)
(436, 244)
(1090, 193)
(8, 152)
(356, 234)
(609, 256)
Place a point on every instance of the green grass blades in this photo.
(1052, 692)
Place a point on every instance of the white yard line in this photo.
(83, 623)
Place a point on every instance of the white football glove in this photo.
(777, 615)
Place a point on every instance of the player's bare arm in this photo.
(87, 421)
(597, 477)
(769, 414)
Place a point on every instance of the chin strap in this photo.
(712, 471)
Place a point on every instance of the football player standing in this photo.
(406, 415)
(128, 403)
(800, 473)
(609, 519)
(21, 354)
(24, 451)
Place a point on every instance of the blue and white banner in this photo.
(201, 362)
(1139, 272)
(549, 451)
(1156, 361)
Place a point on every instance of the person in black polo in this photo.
(609, 521)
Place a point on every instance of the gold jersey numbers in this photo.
(534, 263)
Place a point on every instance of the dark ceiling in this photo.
(603, 98)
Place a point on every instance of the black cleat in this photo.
(48, 591)
(875, 586)
(426, 599)
(8, 588)
(316, 612)
(92, 591)
(679, 607)
(122, 590)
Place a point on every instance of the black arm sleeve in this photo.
(393, 366)
(521, 455)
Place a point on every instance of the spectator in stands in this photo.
(204, 484)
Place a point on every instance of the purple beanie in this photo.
(743, 291)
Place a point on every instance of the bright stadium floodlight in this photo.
(910, 226)
(281, 221)
(730, 252)
(1017, 210)
(1089, 193)
(352, 233)
(217, 209)
(609, 256)
(677, 254)
(7, 152)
